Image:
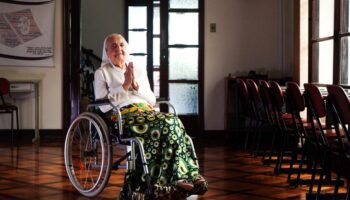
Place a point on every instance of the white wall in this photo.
(250, 36)
(50, 86)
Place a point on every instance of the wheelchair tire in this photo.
(88, 154)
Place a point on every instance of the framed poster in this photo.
(27, 32)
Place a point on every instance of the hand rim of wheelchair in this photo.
(106, 149)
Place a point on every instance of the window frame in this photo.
(338, 35)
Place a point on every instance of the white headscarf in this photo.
(105, 58)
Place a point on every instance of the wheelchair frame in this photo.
(89, 168)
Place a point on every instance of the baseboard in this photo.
(29, 133)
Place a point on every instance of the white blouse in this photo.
(108, 83)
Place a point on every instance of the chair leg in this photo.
(17, 123)
(291, 164)
(280, 155)
(272, 145)
(303, 155)
(348, 191)
(314, 169)
(11, 128)
(325, 166)
(336, 187)
(257, 146)
(247, 134)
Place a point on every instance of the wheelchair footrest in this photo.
(117, 164)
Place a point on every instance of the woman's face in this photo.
(116, 50)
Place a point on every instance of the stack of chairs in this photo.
(321, 142)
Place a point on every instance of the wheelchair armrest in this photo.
(165, 100)
(99, 102)
(104, 102)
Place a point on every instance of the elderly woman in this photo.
(168, 149)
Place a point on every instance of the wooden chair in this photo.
(282, 120)
(257, 117)
(245, 109)
(300, 133)
(8, 108)
(339, 106)
(323, 136)
(264, 88)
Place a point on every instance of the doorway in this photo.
(172, 51)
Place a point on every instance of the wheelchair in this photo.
(89, 147)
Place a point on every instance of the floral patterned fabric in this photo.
(168, 152)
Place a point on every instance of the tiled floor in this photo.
(36, 171)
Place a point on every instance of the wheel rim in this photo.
(85, 164)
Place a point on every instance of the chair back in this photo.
(276, 95)
(295, 98)
(242, 89)
(314, 96)
(340, 100)
(243, 105)
(4, 86)
(4, 90)
(253, 90)
(254, 97)
(316, 110)
(264, 92)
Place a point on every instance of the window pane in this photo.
(156, 83)
(156, 52)
(345, 16)
(323, 62)
(139, 61)
(323, 18)
(183, 4)
(183, 28)
(156, 21)
(138, 42)
(184, 97)
(137, 17)
(344, 61)
(183, 63)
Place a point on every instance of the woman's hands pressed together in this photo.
(129, 78)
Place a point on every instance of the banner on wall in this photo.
(27, 32)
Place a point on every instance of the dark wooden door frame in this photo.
(194, 125)
(71, 61)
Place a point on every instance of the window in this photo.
(137, 34)
(330, 41)
(180, 48)
(322, 41)
(344, 43)
(183, 54)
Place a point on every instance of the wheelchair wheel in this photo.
(88, 154)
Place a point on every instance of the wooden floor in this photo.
(36, 171)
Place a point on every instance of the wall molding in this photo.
(29, 133)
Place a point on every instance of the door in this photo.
(167, 37)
